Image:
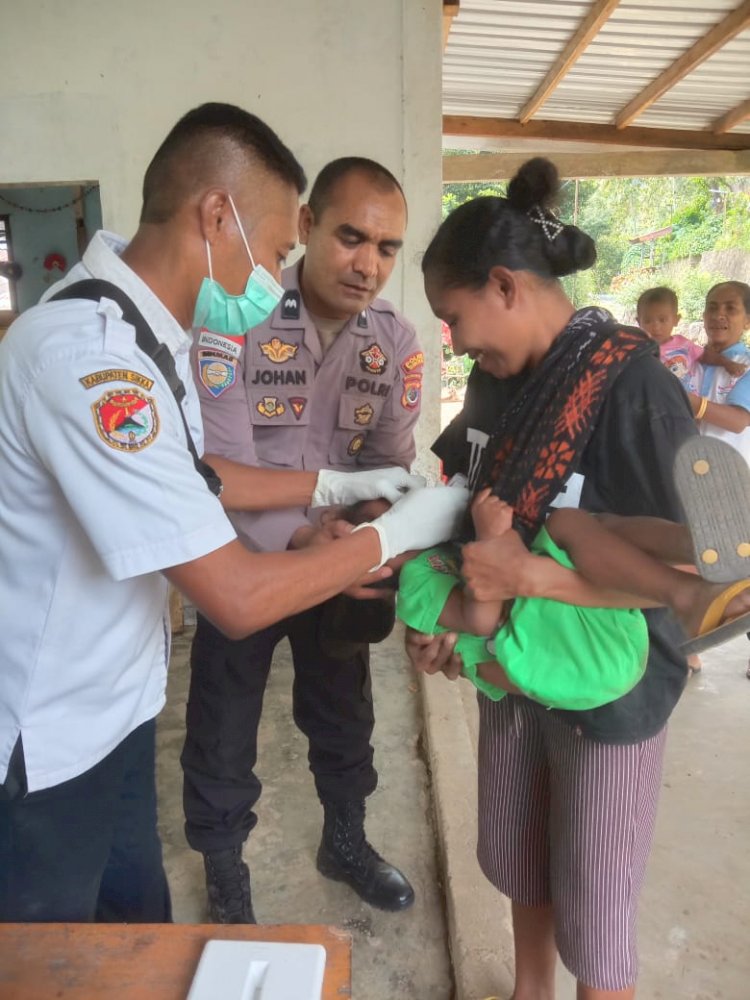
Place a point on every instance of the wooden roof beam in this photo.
(732, 118)
(554, 131)
(705, 47)
(599, 14)
(641, 163)
(450, 9)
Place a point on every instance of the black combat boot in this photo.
(346, 856)
(228, 887)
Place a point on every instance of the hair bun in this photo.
(572, 250)
(536, 183)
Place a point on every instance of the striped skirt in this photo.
(568, 822)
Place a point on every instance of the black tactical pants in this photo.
(332, 704)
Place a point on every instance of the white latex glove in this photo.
(419, 520)
(350, 487)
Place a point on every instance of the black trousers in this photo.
(332, 705)
(85, 850)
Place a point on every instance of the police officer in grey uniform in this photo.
(332, 378)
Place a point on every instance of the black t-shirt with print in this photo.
(627, 469)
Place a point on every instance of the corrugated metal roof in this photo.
(499, 51)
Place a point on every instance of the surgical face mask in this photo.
(233, 315)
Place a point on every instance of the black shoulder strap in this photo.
(94, 289)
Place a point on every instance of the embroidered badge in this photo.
(363, 414)
(126, 419)
(270, 406)
(217, 372)
(414, 363)
(362, 320)
(298, 404)
(224, 345)
(277, 351)
(373, 360)
(290, 308)
(355, 445)
(412, 391)
(115, 375)
(442, 565)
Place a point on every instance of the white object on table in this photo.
(259, 970)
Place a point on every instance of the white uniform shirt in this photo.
(98, 492)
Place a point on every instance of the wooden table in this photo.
(139, 961)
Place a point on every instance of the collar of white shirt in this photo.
(102, 260)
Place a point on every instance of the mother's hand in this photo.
(433, 654)
(496, 569)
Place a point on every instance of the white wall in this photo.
(91, 87)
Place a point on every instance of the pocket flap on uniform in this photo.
(357, 411)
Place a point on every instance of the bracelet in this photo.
(701, 411)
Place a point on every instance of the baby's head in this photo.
(727, 313)
(365, 511)
(657, 313)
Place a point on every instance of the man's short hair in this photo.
(322, 190)
(657, 296)
(193, 153)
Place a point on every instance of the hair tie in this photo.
(550, 225)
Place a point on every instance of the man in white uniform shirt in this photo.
(102, 503)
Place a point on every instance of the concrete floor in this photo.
(401, 956)
(695, 909)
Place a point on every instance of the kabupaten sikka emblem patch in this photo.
(126, 419)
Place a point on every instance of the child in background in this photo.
(658, 315)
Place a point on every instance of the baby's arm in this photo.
(461, 614)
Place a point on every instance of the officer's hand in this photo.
(421, 519)
(362, 589)
(433, 654)
(350, 487)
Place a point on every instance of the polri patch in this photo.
(356, 444)
(298, 404)
(94, 379)
(290, 305)
(363, 414)
(224, 345)
(217, 372)
(373, 360)
(126, 419)
(270, 407)
(412, 391)
(414, 363)
(277, 351)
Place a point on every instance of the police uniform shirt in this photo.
(98, 493)
(275, 399)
